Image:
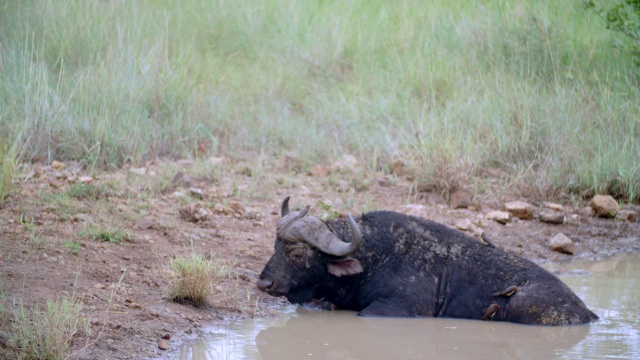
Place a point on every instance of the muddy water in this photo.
(610, 287)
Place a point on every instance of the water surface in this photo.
(611, 288)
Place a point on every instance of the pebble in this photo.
(163, 344)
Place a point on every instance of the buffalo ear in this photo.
(344, 266)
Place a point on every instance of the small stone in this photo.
(71, 179)
(562, 243)
(166, 336)
(195, 192)
(464, 224)
(553, 206)
(551, 217)
(54, 184)
(319, 171)
(163, 344)
(347, 162)
(628, 215)
(258, 223)
(193, 213)
(502, 217)
(460, 199)
(604, 206)
(520, 209)
(145, 224)
(85, 179)
(425, 186)
(181, 179)
(219, 209)
(58, 165)
(237, 207)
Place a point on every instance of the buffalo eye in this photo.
(297, 255)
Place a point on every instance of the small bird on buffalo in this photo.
(490, 312)
(507, 292)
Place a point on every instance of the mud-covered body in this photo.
(409, 267)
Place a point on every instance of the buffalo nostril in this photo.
(264, 284)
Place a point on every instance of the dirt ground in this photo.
(229, 212)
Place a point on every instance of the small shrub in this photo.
(113, 236)
(192, 279)
(46, 333)
(73, 247)
(81, 190)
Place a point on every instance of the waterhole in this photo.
(611, 288)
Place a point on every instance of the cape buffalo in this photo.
(389, 264)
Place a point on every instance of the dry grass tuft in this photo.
(46, 332)
(192, 279)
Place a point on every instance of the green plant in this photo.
(328, 212)
(60, 203)
(192, 279)
(81, 190)
(104, 234)
(73, 247)
(26, 222)
(623, 17)
(47, 332)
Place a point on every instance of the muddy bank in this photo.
(49, 248)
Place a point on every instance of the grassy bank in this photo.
(531, 89)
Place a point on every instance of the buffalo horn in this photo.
(289, 219)
(284, 210)
(315, 232)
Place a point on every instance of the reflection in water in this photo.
(610, 288)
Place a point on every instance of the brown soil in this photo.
(127, 318)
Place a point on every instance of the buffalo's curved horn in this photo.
(284, 210)
(315, 232)
(289, 219)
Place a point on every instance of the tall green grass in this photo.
(531, 88)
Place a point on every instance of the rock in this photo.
(425, 186)
(464, 224)
(54, 184)
(145, 224)
(237, 207)
(604, 206)
(85, 179)
(551, 217)
(319, 171)
(181, 179)
(163, 344)
(520, 209)
(166, 336)
(460, 199)
(58, 165)
(502, 217)
(220, 209)
(71, 179)
(628, 215)
(193, 213)
(197, 193)
(561, 243)
(553, 206)
(347, 162)
(587, 211)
